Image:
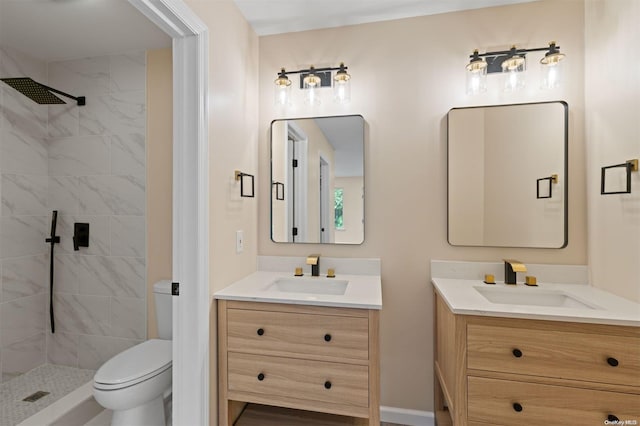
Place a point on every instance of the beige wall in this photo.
(406, 75)
(612, 93)
(233, 114)
(159, 175)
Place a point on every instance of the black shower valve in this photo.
(80, 235)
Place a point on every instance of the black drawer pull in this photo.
(517, 407)
(612, 362)
(261, 377)
(260, 331)
(517, 353)
(327, 385)
(612, 418)
(327, 337)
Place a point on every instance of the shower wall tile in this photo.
(62, 348)
(22, 319)
(128, 71)
(115, 113)
(66, 274)
(93, 351)
(112, 276)
(128, 317)
(81, 77)
(64, 194)
(128, 156)
(64, 120)
(81, 314)
(22, 153)
(22, 356)
(128, 236)
(14, 63)
(112, 195)
(22, 115)
(22, 236)
(98, 234)
(23, 277)
(23, 194)
(79, 156)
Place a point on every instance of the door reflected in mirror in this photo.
(507, 175)
(317, 180)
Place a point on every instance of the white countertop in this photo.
(363, 291)
(462, 298)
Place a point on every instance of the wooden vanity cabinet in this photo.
(312, 358)
(507, 371)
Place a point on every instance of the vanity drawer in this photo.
(318, 382)
(289, 334)
(505, 402)
(554, 353)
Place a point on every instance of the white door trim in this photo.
(190, 206)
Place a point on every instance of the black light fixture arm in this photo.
(514, 51)
(310, 70)
(81, 100)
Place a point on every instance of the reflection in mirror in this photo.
(507, 175)
(317, 180)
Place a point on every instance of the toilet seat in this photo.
(135, 365)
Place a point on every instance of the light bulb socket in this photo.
(282, 80)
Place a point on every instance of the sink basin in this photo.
(316, 285)
(531, 296)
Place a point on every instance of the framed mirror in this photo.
(317, 180)
(507, 175)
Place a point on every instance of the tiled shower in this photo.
(87, 162)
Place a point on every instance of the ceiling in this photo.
(52, 30)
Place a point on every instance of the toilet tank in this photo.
(164, 306)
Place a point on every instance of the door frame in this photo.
(190, 206)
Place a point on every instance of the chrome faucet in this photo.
(512, 266)
(314, 261)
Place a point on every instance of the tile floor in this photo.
(56, 379)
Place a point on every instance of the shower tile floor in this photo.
(56, 379)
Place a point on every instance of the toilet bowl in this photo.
(133, 384)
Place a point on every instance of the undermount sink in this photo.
(531, 296)
(316, 285)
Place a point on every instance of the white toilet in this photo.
(134, 383)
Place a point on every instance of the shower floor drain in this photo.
(36, 396)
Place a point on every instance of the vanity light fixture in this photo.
(512, 64)
(311, 81)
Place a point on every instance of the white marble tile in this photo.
(82, 314)
(128, 156)
(79, 156)
(22, 115)
(128, 71)
(24, 194)
(62, 348)
(14, 63)
(64, 120)
(87, 77)
(98, 234)
(128, 318)
(23, 235)
(66, 276)
(22, 356)
(64, 194)
(112, 276)
(116, 113)
(22, 153)
(24, 276)
(112, 195)
(22, 318)
(128, 236)
(93, 351)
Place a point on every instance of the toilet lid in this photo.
(136, 364)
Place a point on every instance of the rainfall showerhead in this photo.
(39, 93)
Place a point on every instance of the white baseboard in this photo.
(407, 417)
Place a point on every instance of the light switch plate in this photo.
(239, 241)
